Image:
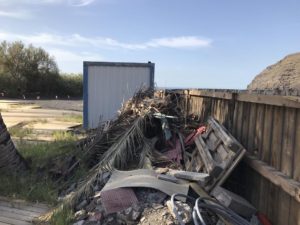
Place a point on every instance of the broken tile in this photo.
(116, 200)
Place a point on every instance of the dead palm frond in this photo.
(131, 150)
(123, 145)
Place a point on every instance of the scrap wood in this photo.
(227, 172)
(126, 142)
(193, 162)
(202, 178)
(213, 168)
(225, 135)
(281, 180)
(235, 202)
(220, 152)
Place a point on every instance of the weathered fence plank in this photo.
(269, 127)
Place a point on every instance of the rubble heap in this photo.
(281, 76)
(154, 165)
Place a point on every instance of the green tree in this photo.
(12, 62)
(30, 69)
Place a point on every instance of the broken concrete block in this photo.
(157, 206)
(135, 215)
(80, 215)
(235, 202)
(202, 178)
(161, 170)
(183, 209)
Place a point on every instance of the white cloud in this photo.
(62, 55)
(180, 42)
(45, 2)
(16, 14)
(71, 61)
(22, 9)
(80, 2)
(68, 49)
(76, 40)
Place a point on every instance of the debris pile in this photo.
(154, 165)
(280, 78)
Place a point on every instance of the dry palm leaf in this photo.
(130, 150)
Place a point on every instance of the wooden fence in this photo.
(269, 128)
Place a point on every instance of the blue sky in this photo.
(194, 43)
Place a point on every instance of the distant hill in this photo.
(284, 75)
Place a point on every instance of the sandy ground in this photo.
(74, 105)
(42, 117)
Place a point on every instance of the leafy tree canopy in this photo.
(27, 70)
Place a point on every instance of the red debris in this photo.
(263, 219)
(190, 139)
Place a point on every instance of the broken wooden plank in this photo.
(228, 171)
(235, 202)
(29, 208)
(224, 135)
(202, 178)
(16, 216)
(269, 100)
(194, 162)
(211, 166)
(212, 94)
(14, 221)
(278, 178)
(19, 211)
(18, 202)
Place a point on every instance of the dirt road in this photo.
(39, 119)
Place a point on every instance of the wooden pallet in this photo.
(18, 212)
(219, 152)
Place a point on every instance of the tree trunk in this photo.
(10, 159)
